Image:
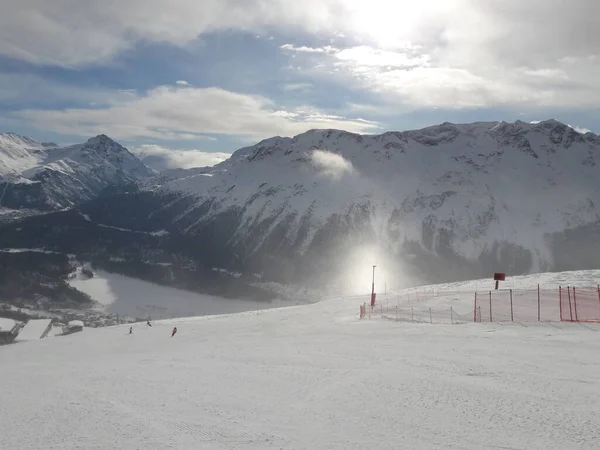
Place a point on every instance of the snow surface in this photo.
(486, 181)
(68, 174)
(305, 377)
(6, 324)
(127, 296)
(19, 153)
(33, 330)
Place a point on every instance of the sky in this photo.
(185, 83)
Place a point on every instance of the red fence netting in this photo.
(579, 305)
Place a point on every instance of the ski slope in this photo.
(305, 377)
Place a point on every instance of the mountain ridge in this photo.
(450, 201)
(44, 176)
(278, 179)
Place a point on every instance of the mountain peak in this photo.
(102, 140)
(10, 138)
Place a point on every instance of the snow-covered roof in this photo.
(75, 323)
(34, 329)
(6, 324)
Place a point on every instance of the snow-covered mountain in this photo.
(442, 203)
(477, 192)
(45, 176)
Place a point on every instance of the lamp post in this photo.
(373, 289)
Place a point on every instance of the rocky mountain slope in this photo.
(445, 202)
(478, 192)
(44, 176)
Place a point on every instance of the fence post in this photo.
(570, 307)
(451, 316)
(479, 313)
(491, 320)
(475, 309)
(575, 304)
(560, 302)
(538, 302)
(430, 317)
(512, 319)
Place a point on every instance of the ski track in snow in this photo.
(306, 377)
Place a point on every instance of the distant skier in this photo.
(130, 330)
(149, 324)
(174, 331)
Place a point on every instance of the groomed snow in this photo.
(305, 377)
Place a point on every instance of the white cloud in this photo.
(536, 53)
(162, 158)
(176, 113)
(182, 83)
(297, 86)
(370, 57)
(304, 49)
(581, 130)
(331, 165)
(21, 88)
(60, 32)
(472, 53)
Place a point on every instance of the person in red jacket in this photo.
(174, 331)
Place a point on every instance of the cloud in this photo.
(304, 49)
(90, 32)
(297, 87)
(182, 83)
(18, 89)
(416, 80)
(470, 53)
(458, 33)
(431, 53)
(186, 113)
(370, 57)
(580, 130)
(162, 158)
(331, 165)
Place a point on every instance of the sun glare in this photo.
(357, 272)
(393, 24)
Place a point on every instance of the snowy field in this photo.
(132, 297)
(305, 377)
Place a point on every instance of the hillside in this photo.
(442, 203)
(44, 176)
(447, 201)
(306, 377)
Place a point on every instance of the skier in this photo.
(149, 324)
(174, 331)
(130, 330)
